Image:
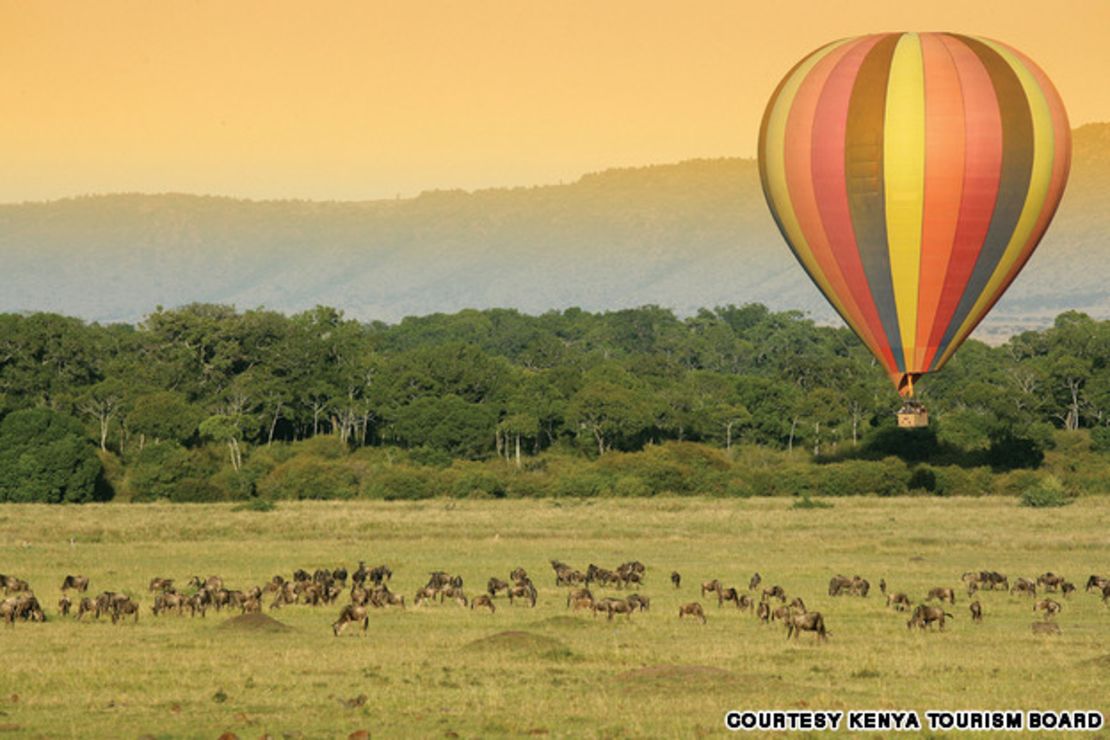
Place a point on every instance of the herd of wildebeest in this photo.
(368, 588)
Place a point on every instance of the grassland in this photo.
(444, 670)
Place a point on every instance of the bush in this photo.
(1100, 439)
(170, 472)
(45, 457)
(479, 484)
(309, 477)
(1009, 451)
(1046, 492)
(631, 486)
(401, 483)
(583, 484)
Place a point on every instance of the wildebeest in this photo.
(483, 600)
(900, 601)
(1097, 583)
(381, 597)
(1050, 581)
(1067, 588)
(1051, 607)
(425, 595)
(123, 608)
(942, 594)
(924, 616)
(603, 576)
(710, 587)
(613, 606)
(882, 586)
(351, 613)
(456, 593)
(727, 594)
(976, 610)
(580, 599)
(523, 591)
(85, 606)
(839, 584)
(78, 583)
(798, 604)
(1024, 586)
(756, 579)
(23, 606)
(168, 600)
(763, 611)
(382, 573)
(676, 578)
(495, 585)
(160, 584)
(63, 605)
(519, 575)
(13, 584)
(774, 592)
(636, 601)
(693, 609)
(806, 622)
(1046, 628)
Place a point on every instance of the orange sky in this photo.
(369, 99)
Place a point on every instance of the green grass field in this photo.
(447, 671)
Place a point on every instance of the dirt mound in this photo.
(518, 640)
(564, 620)
(688, 676)
(255, 623)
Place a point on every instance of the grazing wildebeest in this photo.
(756, 579)
(763, 611)
(972, 588)
(63, 605)
(643, 603)
(351, 613)
(943, 594)
(123, 608)
(710, 587)
(483, 600)
(676, 579)
(78, 583)
(693, 609)
(993, 579)
(774, 592)
(728, 594)
(11, 583)
(1024, 586)
(1106, 593)
(602, 575)
(1046, 628)
(860, 586)
(381, 597)
(456, 593)
(1050, 581)
(85, 606)
(167, 600)
(494, 585)
(339, 575)
(618, 606)
(425, 596)
(1051, 607)
(839, 584)
(1067, 588)
(806, 622)
(882, 586)
(923, 616)
(581, 599)
(579, 593)
(160, 584)
(565, 575)
(1096, 583)
(900, 601)
(358, 578)
(22, 606)
(976, 610)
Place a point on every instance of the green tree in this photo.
(45, 457)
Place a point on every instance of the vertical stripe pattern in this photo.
(913, 175)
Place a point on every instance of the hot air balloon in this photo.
(912, 175)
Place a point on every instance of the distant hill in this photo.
(684, 235)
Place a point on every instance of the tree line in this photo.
(203, 380)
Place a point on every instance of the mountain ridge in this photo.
(685, 235)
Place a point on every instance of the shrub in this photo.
(401, 483)
(1100, 439)
(582, 484)
(169, 471)
(309, 477)
(631, 486)
(1046, 492)
(479, 484)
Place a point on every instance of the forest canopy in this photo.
(206, 403)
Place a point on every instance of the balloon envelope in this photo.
(913, 175)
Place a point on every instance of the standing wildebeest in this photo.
(756, 579)
(693, 609)
(763, 611)
(523, 591)
(63, 605)
(383, 573)
(976, 610)
(798, 605)
(923, 616)
(839, 584)
(160, 584)
(899, 601)
(1067, 588)
(1024, 586)
(806, 622)
(882, 586)
(728, 594)
(643, 603)
(483, 600)
(710, 587)
(11, 583)
(1051, 607)
(22, 606)
(351, 613)
(456, 593)
(123, 608)
(943, 594)
(676, 578)
(79, 583)
(616, 606)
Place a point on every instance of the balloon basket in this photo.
(913, 415)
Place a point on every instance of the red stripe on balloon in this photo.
(981, 180)
(944, 181)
